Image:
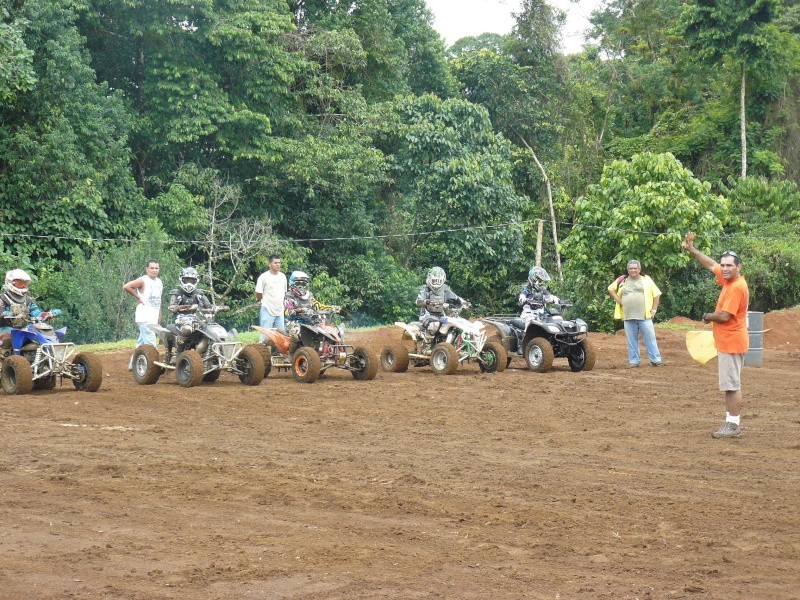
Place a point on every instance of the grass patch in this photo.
(676, 327)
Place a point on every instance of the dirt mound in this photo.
(782, 330)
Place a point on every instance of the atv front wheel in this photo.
(394, 358)
(189, 368)
(90, 370)
(539, 355)
(366, 364)
(582, 356)
(145, 369)
(251, 364)
(444, 359)
(493, 358)
(15, 376)
(306, 365)
(265, 350)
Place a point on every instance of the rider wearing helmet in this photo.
(432, 299)
(184, 302)
(299, 301)
(18, 304)
(535, 295)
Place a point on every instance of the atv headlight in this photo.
(553, 329)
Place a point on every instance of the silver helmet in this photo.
(189, 279)
(436, 278)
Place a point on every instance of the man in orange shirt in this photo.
(730, 330)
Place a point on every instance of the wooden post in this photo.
(539, 235)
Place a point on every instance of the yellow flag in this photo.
(700, 345)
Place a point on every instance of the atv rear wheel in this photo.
(394, 358)
(306, 365)
(251, 363)
(366, 364)
(444, 359)
(493, 358)
(15, 376)
(582, 356)
(90, 368)
(189, 368)
(145, 369)
(539, 355)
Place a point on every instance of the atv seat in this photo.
(518, 323)
(173, 329)
(417, 324)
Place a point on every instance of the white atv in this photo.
(456, 340)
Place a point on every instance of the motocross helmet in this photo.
(436, 278)
(189, 278)
(298, 284)
(16, 285)
(538, 276)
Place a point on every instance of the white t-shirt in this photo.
(147, 311)
(273, 290)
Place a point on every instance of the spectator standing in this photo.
(147, 290)
(637, 298)
(271, 288)
(729, 322)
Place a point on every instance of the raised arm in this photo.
(688, 245)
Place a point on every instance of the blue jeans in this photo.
(268, 321)
(146, 335)
(632, 329)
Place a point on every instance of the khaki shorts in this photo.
(730, 371)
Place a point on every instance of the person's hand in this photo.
(45, 316)
(8, 314)
(688, 242)
(56, 312)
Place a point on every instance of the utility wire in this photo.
(360, 237)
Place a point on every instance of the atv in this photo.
(38, 354)
(205, 353)
(457, 340)
(314, 345)
(544, 335)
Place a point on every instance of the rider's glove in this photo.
(56, 312)
(45, 316)
(8, 314)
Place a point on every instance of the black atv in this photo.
(544, 335)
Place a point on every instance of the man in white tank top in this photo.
(147, 291)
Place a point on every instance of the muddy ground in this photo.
(601, 484)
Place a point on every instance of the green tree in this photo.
(64, 159)
(451, 172)
(739, 30)
(16, 68)
(641, 209)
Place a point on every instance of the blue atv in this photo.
(38, 354)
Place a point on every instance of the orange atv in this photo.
(313, 346)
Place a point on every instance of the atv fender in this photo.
(280, 340)
(409, 329)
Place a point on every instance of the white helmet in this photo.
(538, 276)
(189, 278)
(436, 278)
(16, 285)
(298, 284)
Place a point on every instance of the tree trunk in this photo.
(743, 123)
(550, 203)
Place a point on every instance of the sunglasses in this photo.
(730, 253)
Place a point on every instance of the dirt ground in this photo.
(602, 484)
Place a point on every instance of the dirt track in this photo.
(604, 484)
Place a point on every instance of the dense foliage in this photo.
(346, 137)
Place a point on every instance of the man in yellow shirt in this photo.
(637, 298)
